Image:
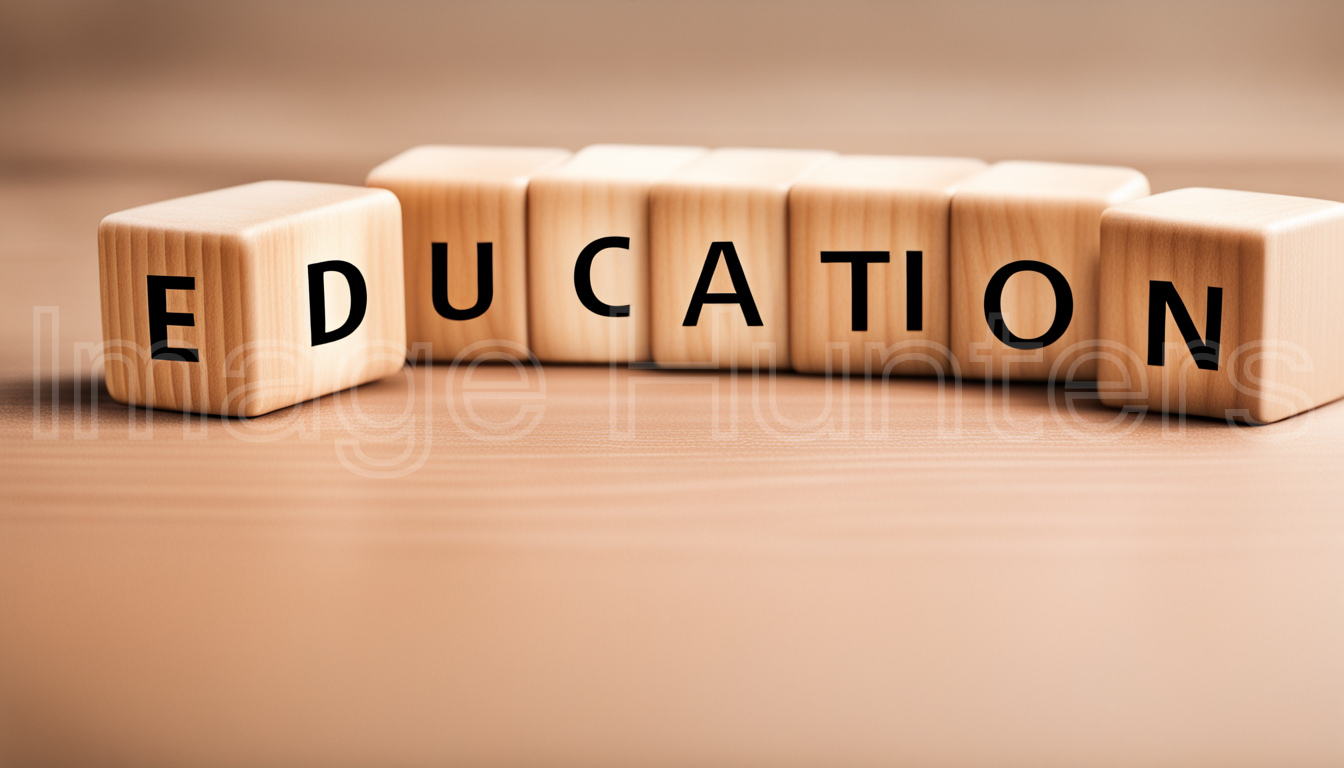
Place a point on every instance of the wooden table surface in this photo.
(629, 575)
(650, 568)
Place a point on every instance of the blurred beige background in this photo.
(1194, 92)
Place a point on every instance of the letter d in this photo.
(317, 300)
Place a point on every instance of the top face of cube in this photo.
(1099, 184)
(239, 211)
(776, 169)
(618, 162)
(1254, 213)
(876, 173)
(505, 166)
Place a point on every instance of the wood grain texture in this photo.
(247, 249)
(463, 196)
(1277, 261)
(603, 191)
(1046, 212)
(730, 195)
(872, 203)
(692, 585)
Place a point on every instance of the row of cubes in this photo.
(1199, 301)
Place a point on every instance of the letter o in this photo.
(994, 305)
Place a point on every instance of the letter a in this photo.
(741, 291)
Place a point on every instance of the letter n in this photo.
(1162, 294)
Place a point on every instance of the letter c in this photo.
(583, 277)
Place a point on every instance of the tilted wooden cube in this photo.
(588, 252)
(1223, 304)
(868, 264)
(248, 299)
(464, 218)
(1026, 242)
(719, 258)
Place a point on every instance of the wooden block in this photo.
(248, 299)
(1223, 304)
(719, 258)
(868, 264)
(466, 208)
(1026, 241)
(588, 252)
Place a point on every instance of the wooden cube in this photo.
(588, 252)
(464, 219)
(868, 264)
(1026, 242)
(244, 300)
(719, 258)
(1223, 304)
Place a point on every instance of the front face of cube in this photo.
(244, 323)
(719, 276)
(1024, 277)
(1180, 300)
(604, 224)
(466, 266)
(868, 281)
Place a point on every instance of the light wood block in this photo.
(472, 202)
(1043, 213)
(730, 205)
(1223, 304)
(245, 300)
(574, 211)
(884, 306)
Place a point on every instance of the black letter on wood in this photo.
(583, 277)
(1162, 294)
(160, 318)
(914, 290)
(317, 300)
(485, 281)
(994, 305)
(741, 291)
(858, 280)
